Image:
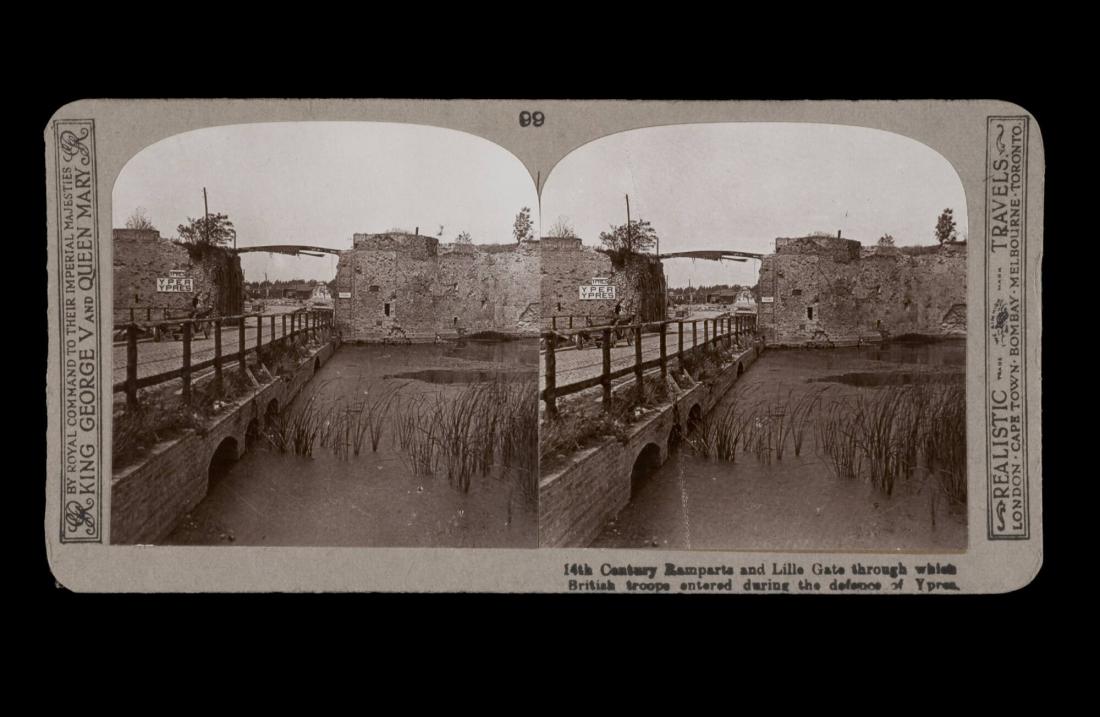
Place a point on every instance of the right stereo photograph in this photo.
(753, 338)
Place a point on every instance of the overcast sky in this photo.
(318, 183)
(739, 186)
(713, 186)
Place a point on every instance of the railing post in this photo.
(131, 365)
(259, 335)
(570, 320)
(706, 332)
(680, 341)
(131, 314)
(218, 354)
(551, 381)
(148, 313)
(274, 335)
(284, 331)
(638, 361)
(664, 355)
(186, 362)
(694, 338)
(240, 343)
(605, 377)
(554, 322)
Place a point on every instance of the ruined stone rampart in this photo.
(825, 289)
(566, 265)
(395, 287)
(142, 256)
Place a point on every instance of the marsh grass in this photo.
(488, 429)
(879, 437)
(882, 437)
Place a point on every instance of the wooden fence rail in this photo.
(306, 324)
(727, 329)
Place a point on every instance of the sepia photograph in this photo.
(325, 334)
(550, 346)
(754, 339)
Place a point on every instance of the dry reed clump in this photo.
(489, 428)
(760, 428)
(486, 426)
(342, 426)
(879, 437)
(882, 437)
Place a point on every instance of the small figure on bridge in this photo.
(199, 310)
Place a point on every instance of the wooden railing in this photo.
(728, 329)
(566, 321)
(148, 314)
(309, 324)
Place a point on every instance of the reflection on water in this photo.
(374, 498)
(936, 353)
(458, 375)
(521, 352)
(891, 378)
(797, 503)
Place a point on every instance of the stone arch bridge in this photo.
(578, 499)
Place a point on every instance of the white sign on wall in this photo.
(593, 292)
(175, 284)
(767, 299)
(345, 294)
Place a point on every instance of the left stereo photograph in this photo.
(325, 334)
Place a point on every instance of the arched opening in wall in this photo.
(695, 417)
(222, 460)
(271, 413)
(645, 465)
(251, 433)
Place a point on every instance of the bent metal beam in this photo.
(712, 254)
(291, 249)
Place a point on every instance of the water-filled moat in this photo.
(835, 449)
(389, 445)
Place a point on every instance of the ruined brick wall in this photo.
(141, 256)
(829, 289)
(566, 264)
(403, 286)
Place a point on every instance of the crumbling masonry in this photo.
(408, 287)
(824, 290)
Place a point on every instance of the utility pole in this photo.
(629, 231)
(206, 220)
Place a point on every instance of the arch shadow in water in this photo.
(224, 457)
(645, 465)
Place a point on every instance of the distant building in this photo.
(320, 295)
(723, 296)
(298, 291)
(745, 303)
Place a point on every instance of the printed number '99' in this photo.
(526, 119)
